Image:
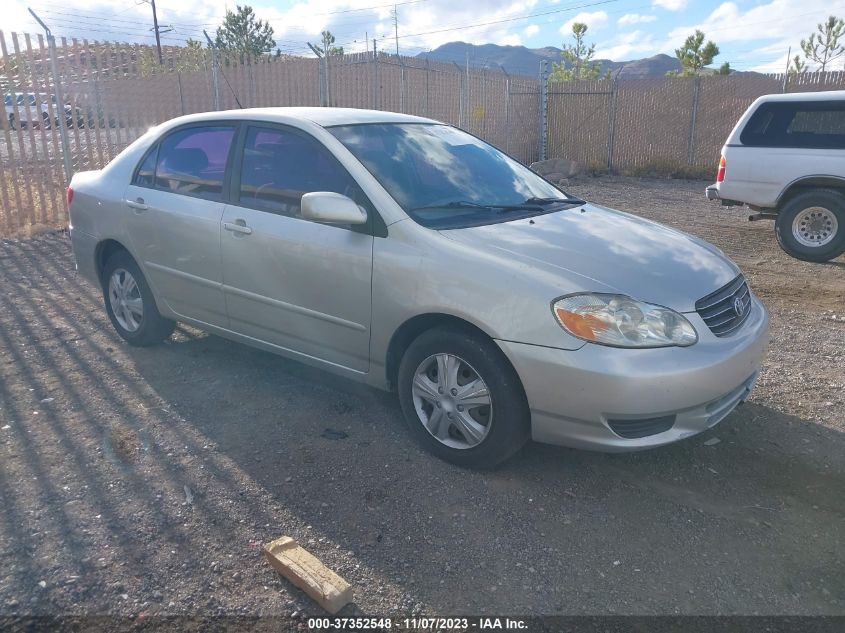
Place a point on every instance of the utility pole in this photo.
(396, 28)
(158, 37)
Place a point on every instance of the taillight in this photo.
(69, 196)
(720, 175)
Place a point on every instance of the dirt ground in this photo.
(141, 482)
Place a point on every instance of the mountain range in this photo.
(519, 60)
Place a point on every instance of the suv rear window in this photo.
(812, 124)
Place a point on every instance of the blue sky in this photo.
(752, 34)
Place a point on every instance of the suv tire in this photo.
(812, 217)
(474, 360)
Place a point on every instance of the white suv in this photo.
(785, 159)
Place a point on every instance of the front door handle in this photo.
(137, 204)
(238, 226)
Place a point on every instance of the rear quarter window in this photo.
(811, 124)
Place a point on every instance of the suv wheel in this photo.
(461, 398)
(130, 303)
(811, 226)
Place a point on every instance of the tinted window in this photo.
(279, 166)
(192, 161)
(815, 124)
(146, 174)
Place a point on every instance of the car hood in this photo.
(601, 250)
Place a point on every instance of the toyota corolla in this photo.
(410, 255)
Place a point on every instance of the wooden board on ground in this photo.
(306, 571)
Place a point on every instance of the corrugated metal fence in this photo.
(113, 92)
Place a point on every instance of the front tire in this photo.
(811, 225)
(461, 398)
(130, 303)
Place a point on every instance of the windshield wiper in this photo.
(570, 200)
(466, 204)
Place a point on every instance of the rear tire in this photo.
(811, 225)
(478, 416)
(130, 303)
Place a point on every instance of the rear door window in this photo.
(812, 125)
(192, 161)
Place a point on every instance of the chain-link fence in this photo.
(663, 126)
(79, 106)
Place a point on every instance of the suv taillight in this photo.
(69, 196)
(720, 175)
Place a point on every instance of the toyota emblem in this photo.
(739, 306)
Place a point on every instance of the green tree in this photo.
(242, 33)
(328, 47)
(797, 67)
(576, 59)
(824, 47)
(192, 57)
(724, 69)
(694, 55)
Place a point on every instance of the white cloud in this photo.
(777, 21)
(594, 20)
(671, 5)
(509, 40)
(531, 29)
(627, 46)
(635, 18)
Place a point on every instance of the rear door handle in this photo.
(238, 226)
(137, 204)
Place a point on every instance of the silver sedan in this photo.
(410, 255)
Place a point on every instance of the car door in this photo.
(175, 204)
(294, 283)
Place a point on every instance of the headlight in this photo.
(622, 321)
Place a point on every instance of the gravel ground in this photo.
(139, 482)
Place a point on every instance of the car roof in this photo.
(324, 117)
(828, 95)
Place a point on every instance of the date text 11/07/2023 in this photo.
(418, 624)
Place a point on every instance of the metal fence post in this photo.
(215, 80)
(507, 109)
(401, 84)
(427, 73)
(375, 76)
(460, 97)
(696, 88)
(60, 99)
(544, 109)
(611, 135)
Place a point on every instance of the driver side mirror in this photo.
(331, 208)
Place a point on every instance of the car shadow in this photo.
(355, 472)
(145, 480)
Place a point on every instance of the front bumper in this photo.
(575, 395)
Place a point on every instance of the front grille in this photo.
(635, 429)
(719, 309)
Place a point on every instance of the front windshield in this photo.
(443, 177)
